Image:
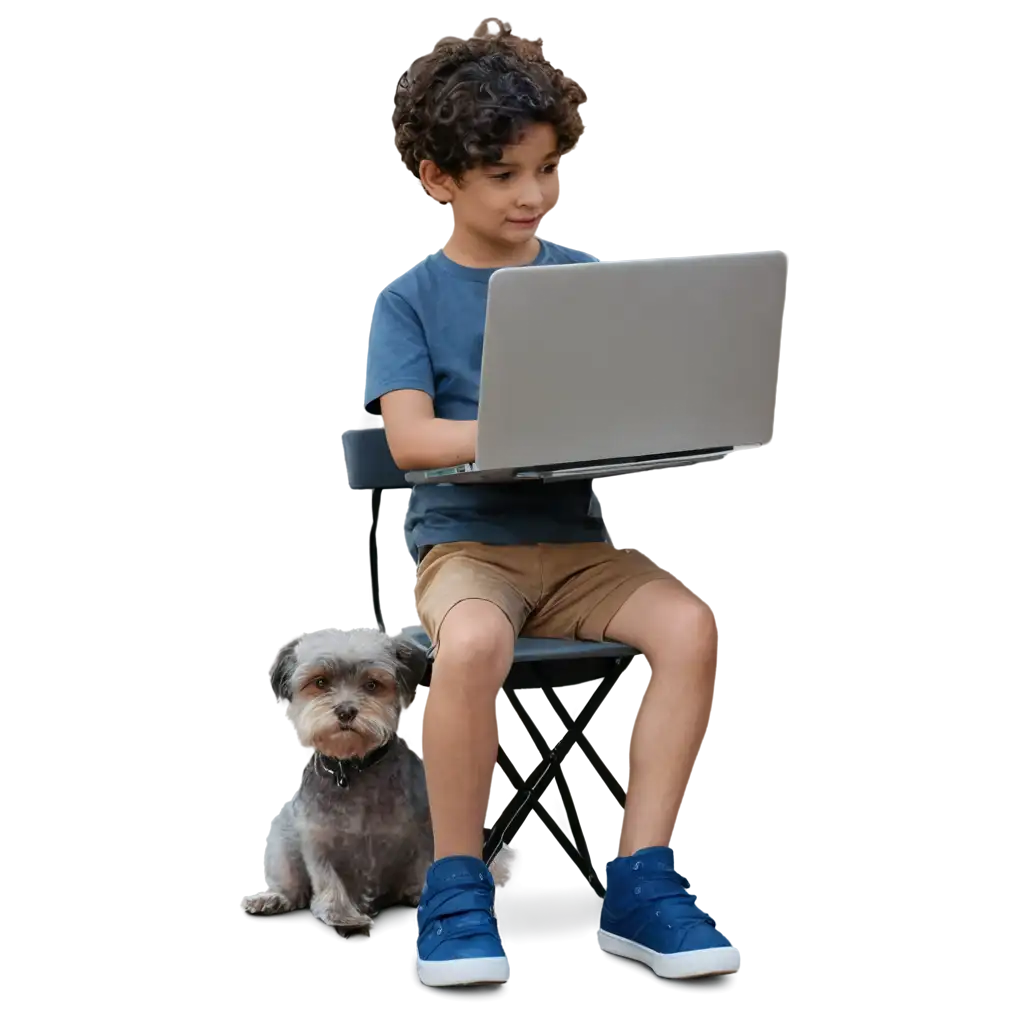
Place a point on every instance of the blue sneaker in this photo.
(649, 916)
(459, 943)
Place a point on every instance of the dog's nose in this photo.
(345, 713)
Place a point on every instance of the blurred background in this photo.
(200, 203)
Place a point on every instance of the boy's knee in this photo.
(701, 621)
(690, 631)
(475, 641)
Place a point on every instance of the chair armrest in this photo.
(369, 463)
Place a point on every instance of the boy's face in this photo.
(504, 203)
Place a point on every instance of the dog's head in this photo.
(347, 689)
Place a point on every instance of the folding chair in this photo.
(537, 664)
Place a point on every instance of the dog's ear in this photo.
(412, 667)
(281, 671)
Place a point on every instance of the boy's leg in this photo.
(648, 913)
(472, 600)
(677, 634)
(473, 609)
(597, 592)
(460, 728)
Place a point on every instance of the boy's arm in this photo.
(418, 439)
(400, 387)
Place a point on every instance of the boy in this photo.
(483, 124)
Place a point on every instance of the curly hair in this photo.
(464, 102)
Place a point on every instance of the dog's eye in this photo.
(371, 685)
(320, 684)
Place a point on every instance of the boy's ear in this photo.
(437, 184)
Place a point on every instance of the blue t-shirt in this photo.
(427, 335)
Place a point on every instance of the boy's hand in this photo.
(418, 439)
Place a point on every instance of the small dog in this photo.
(357, 836)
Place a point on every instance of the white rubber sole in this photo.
(696, 963)
(491, 970)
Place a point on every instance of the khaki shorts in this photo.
(561, 591)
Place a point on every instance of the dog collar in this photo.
(342, 770)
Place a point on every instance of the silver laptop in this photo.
(600, 369)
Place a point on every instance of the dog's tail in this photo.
(501, 866)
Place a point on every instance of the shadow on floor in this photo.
(537, 918)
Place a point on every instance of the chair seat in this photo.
(532, 648)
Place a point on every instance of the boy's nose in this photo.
(530, 198)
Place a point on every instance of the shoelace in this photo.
(673, 904)
(463, 908)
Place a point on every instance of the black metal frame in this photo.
(529, 790)
(545, 676)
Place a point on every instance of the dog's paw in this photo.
(412, 898)
(347, 931)
(340, 916)
(267, 903)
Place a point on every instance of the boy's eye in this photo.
(503, 176)
(551, 168)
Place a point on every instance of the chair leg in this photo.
(559, 785)
(585, 864)
(510, 820)
(584, 744)
(531, 799)
(572, 734)
(530, 790)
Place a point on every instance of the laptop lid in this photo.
(598, 361)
